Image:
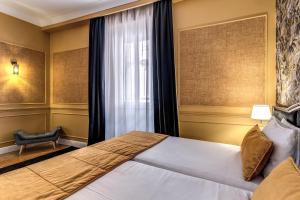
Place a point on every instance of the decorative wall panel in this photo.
(29, 85)
(75, 125)
(70, 77)
(35, 122)
(224, 64)
(288, 48)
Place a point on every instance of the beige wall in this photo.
(223, 124)
(33, 117)
(220, 124)
(72, 116)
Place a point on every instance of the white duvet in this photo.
(212, 161)
(137, 181)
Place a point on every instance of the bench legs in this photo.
(21, 149)
(54, 144)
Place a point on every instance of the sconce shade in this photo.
(16, 69)
(261, 112)
(15, 66)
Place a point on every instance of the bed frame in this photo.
(291, 114)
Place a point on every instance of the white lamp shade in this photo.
(261, 112)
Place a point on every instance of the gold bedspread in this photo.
(61, 176)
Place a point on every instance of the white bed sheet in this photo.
(137, 181)
(212, 161)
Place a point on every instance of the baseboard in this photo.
(73, 143)
(9, 149)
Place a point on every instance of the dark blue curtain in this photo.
(96, 81)
(165, 105)
(164, 85)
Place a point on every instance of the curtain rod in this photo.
(86, 18)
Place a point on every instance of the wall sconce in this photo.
(15, 65)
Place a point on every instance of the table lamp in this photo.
(261, 112)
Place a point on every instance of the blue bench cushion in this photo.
(26, 138)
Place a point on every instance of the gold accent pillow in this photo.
(256, 150)
(282, 184)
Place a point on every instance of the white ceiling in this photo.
(48, 12)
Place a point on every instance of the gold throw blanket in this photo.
(61, 176)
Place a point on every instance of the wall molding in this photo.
(44, 114)
(22, 45)
(69, 106)
(30, 107)
(215, 110)
(22, 114)
(45, 76)
(214, 114)
(68, 94)
(215, 119)
(227, 21)
(81, 118)
(110, 11)
(208, 122)
(67, 113)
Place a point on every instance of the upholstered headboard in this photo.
(292, 114)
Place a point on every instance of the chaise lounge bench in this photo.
(23, 138)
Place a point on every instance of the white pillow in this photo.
(297, 130)
(284, 140)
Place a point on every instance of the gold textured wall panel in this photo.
(226, 124)
(29, 85)
(224, 64)
(217, 127)
(75, 124)
(31, 122)
(221, 133)
(70, 77)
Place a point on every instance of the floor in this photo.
(29, 153)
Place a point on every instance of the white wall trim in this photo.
(8, 149)
(36, 14)
(73, 143)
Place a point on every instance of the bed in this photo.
(212, 161)
(138, 166)
(208, 160)
(137, 181)
(179, 168)
(106, 171)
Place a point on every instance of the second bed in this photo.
(208, 160)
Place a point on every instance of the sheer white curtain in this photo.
(128, 72)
